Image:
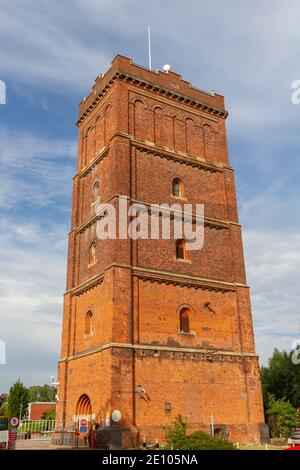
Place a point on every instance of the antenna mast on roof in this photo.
(149, 46)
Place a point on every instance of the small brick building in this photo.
(38, 408)
(148, 330)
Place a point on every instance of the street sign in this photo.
(107, 419)
(116, 416)
(13, 434)
(12, 438)
(14, 422)
(83, 422)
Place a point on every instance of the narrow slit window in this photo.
(185, 320)
(88, 323)
(181, 249)
(95, 191)
(178, 188)
(92, 254)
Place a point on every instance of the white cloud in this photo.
(38, 174)
(33, 169)
(45, 51)
(273, 268)
(31, 299)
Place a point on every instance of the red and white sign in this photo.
(14, 422)
(83, 422)
(13, 435)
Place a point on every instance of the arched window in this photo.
(177, 188)
(181, 250)
(185, 320)
(88, 329)
(92, 253)
(95, 191)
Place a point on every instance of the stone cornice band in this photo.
(153, 275)
(127, 77)
(207, 354)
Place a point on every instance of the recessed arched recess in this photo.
(140, 121)
(190, 130)
(100, 133)
(159, 126)
(207, 132)
(84, 406)
(107, 124)
(90, 145)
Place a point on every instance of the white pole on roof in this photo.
(149, 46)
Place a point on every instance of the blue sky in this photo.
(50, 54)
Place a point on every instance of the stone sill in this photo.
(92, 264)
(184, 333)
(179, 198)
(188, 261)
(88, 336)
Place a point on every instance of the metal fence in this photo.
(41, 429)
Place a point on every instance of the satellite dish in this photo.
(116, 416)
(167, 68)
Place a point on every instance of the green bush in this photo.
(285, 417)
(200, 440)
(177, 438)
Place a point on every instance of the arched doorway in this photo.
(84, 406)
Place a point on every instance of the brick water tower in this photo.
(150, 328)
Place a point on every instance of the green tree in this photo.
(49, 414)
(285, 417)
(281, 378)
(18, 400)
(177, 432)
(41, 393)
(3, 398)
(4, 410)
